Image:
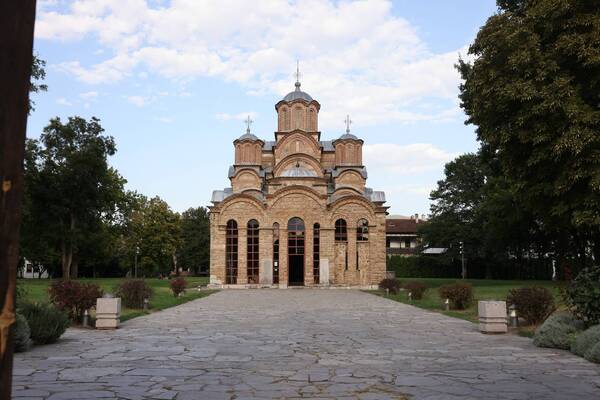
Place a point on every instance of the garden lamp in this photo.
(447, 304)
(146, 304)
(514, 319)
(410, 297)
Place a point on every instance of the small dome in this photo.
(248, 136)
(348, 136)
(297, 95)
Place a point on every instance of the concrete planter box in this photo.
(108, 313)
(492, 317)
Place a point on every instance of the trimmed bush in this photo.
(392, 284)
(586, 340)
(74, 297)
(22, 334)
(583, 295)
(133, 292)
(178, 285)
(417, 289)
(534, 304)
(423, 267)
(46, 322)
(593, 354)
(559, 331)
(459, 293)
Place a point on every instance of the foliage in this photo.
(559, 331)
(21, 333)
(586, 340)
(531, 90)
(416, 288)
(593, 354)
(38, 74)
(177, 285)
(74, 297)
(459, 293)
(583, 295)
(534, 304)
(390, 283)
(47, 323)
(133, 292)
(194, 252)
(70, 191)
(423, 267)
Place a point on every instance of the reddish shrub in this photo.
(74, 297)
(178, 286)
(392, 284)
(133, 292)
(459, 293)
(534, 304)
(416, 288)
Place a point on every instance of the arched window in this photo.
(276, 253)
(231, 252)
(341, 230)
(286, 120)
(362, 230)
(252, 251)
(316, 251)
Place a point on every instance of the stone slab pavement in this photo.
(299, 343)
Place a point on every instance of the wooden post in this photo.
(17, 18)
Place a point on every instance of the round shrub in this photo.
(534, 304)
(417, 289)
(593, 354)
(133, 292)
(22, 334)
(178, 286)
(559, 331)
(586, 340)
(46, 322)
(392, 284)
(74, 297)
(583, 295)
(459, 293)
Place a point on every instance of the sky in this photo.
(172, 82)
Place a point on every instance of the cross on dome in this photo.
(297, 75)
(348, 121)
(248, 122)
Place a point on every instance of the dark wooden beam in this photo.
(17, 18)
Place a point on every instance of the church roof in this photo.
(248, 136)
(297, 95)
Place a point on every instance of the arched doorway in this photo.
(295, 252)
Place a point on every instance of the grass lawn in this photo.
(483, 289)
(37, 291)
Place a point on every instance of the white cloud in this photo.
(356, 57)
(63, 102)
(138, 101)
(405, 159)
(164, 120)
(89, 95)
(240, 116)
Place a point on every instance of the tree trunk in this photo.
(67, 256)
(75, 266)
(17, 18)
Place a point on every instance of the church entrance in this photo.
(296, 252)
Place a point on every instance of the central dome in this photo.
(297, 95)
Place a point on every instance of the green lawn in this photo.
(483, 289)
(37, 290)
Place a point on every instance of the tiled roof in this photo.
(401, 225)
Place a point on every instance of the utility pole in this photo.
(462, 260)
(17, 18)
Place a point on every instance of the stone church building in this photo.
(298, 212)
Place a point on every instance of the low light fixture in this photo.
(387, 291)
(514, 319)
(86, 319)
(447, 304)
(146, 304)
(410, 297)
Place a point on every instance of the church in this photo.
(298, 212)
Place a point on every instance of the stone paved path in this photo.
(246, 344)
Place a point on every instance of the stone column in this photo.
(265, 246)
(283, 257)
(308, 255)
(242, 255)
(217, 251)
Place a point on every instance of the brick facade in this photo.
(298, 176)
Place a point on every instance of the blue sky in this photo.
(172, 81)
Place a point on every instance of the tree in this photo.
(38, 74)
(532, 91)
(70, 189)
(195, 245)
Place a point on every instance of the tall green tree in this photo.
(38, 74)
(532, 90)
(70, 190)
(195, 245)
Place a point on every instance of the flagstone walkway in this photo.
(249, 344)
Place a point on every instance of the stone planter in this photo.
(492, 317)
(108, 313)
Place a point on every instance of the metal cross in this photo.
(297, 74)
(348, 121)
(248, 122)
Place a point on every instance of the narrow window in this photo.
(341, 230)
(316, 251)
(252, 251)
(276, 253)
(231, 252)
(407, 243)
(362, 230)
